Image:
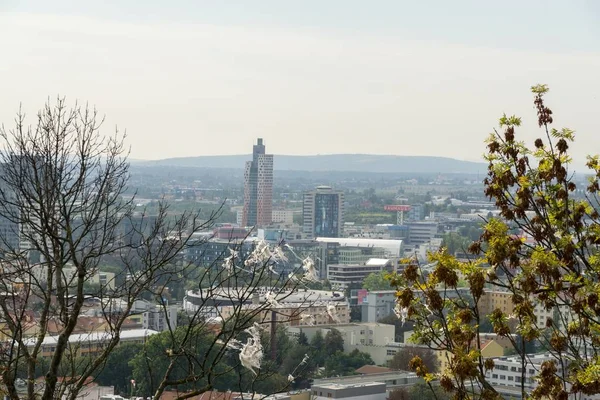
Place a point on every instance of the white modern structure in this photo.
(342, 275)
(393, 247)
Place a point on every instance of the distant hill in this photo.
(334, 162)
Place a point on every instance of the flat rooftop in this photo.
(334, 386)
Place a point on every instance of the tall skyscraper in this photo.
(323, 213)
(258, 188)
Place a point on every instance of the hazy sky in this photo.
(188, 78)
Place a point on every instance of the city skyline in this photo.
(387, 78)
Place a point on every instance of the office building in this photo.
(421, 232)
(285, 217)
(343, 275)
(323, 213)
(258, 188)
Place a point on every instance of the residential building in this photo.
(507, 372)
(373, 338)
(258, 188)
(159, 318)
(491, 345)
(496, 299)
(323, 213)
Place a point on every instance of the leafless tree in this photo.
(64, 207)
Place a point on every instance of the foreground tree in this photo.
(404, 356)
(64, 208)
(543, 252)
(377, 281)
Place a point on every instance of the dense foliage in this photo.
(542, 251)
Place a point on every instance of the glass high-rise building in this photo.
(323, 213)
(258, 188)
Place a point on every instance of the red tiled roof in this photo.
(372, 369)
(211, 395)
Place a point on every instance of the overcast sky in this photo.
(188, 78)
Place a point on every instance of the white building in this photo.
(378, 304)
(373, 338)
(393, 247)
(352, 391)
(507, 374)
(90, 342)
(160, 318)
(342, 275)
(285, 217)
(421, 232)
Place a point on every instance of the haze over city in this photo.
(299, 200)
(311, 77)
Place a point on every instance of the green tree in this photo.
(302, 339)
(317, 348)
(342, 364)
(552, 263)
(283, 344)
(454, 241)
(293, 365)
(376, 281)
(118, 372)
(150, 364)
(333, 342)
(355, 313)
